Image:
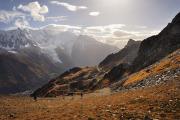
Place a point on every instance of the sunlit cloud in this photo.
(103, 30)
(118, 34)
(57, 18)
(68, 6)
(56, 29)
(35, 9)
(94, 14)
(8, 16)
(123, 34)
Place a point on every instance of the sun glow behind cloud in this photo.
(109, 21)
(114, 3)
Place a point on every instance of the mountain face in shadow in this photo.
(150, 51)
(126, 55)
(27, 69)
(156, 47)
(23, 64)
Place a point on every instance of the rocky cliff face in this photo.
(156, 47)
(151, 50)
(126, 55)
(163, 71)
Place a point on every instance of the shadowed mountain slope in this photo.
(126, 55)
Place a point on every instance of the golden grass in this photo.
(84, 71)
(171, 62)
(159, 102)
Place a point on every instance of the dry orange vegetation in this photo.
(86, 70)
(74, 79)
(170, 62)
(158, 102)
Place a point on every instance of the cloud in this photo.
(21, 23)
(56, 29)
(57, 18)
(8, 16)
(69, 6)
(94, 14)
(103, 30)
(35, 9)
(118, 34)
(123, 34)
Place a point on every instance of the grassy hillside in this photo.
(158, 102)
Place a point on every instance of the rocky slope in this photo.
(161, 72)
(156, 47)
(27, 69)
(126, 55)
(151, 50)
(75, 80)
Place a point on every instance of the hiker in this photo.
(35, 97)
(63, 95)
(72, 94)
(81, 95)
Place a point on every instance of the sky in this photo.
(109, 21)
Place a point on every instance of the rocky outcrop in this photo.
(126, 55)
(117, 72)
(156, 47)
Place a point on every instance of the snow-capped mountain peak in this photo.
(14, 39)
(48, 39)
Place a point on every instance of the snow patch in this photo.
(11, 51)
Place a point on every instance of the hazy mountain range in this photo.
(137, 65)
(29, 57)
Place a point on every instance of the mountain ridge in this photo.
(41, 55)
(150, 51)
(125, 55)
